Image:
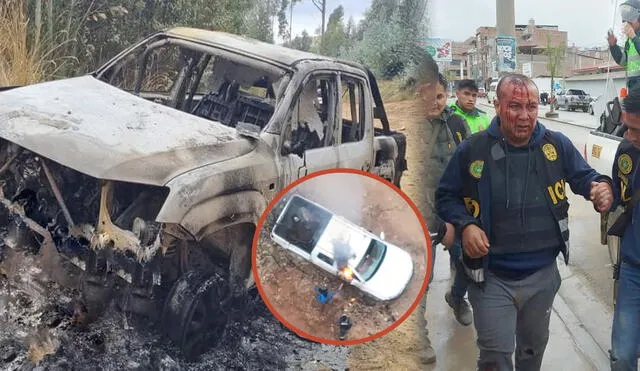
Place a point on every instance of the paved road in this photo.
(581, 320)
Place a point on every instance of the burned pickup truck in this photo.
(151, 173)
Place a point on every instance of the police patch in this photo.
(459, 136)
(475, 169)
(550, 152)
(625, 164)
(472, 206)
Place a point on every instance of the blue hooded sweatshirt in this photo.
(451, 208)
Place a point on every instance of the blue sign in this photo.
(506, 52)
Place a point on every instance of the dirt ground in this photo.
(401, 348)
(40, 328)
(288, 280)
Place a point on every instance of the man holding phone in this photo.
(628, 57)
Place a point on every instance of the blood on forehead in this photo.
(520, 91)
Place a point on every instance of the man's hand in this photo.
(611, 39)
(449, 236)
(601, 195)
(475, 241)
(628, 31)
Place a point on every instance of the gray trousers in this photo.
(509, 310)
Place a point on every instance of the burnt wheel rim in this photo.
(192, 315)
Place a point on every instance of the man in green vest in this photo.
(629, 57)
(465, 106)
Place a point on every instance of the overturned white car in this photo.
(331, 242)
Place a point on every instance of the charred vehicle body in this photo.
(151, 173)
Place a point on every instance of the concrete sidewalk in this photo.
(571, 347)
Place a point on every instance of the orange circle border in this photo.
(316, 339)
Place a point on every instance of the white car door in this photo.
(309, 132)
(354, 136)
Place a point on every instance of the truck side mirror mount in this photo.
(289, 148)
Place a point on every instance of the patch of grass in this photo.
(23, 61)
(394, 91)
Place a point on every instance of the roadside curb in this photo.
(553, 119)
(581, 332)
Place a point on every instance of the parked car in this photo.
(377, 267)
(491, 94)
(572, 99)
(151, 173)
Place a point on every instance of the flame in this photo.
(347, 273)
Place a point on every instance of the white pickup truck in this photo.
(376, 267)
(599, 151)
(603, 142)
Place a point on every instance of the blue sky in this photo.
(586, 21)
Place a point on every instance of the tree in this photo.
(390, 37)
(555, 55)
(258, 23)
(334, 37)
(350, 34)
(302, 42)
(322, 7)
(283, 23)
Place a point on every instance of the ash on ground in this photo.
(289, 282)
(43, 327)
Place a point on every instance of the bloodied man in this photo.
(504, 191)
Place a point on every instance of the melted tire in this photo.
(192, 317)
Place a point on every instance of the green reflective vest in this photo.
(477, 120)
(631, 60)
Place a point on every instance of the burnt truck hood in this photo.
(107, 133)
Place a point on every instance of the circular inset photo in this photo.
(341, 257)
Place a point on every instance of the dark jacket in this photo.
(442, 136)
(625, 178)
(450, 203)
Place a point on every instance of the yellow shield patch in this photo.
(475, 169)
(625, 164)
(550, 152)
(472, 206)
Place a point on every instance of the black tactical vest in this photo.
(485, 149)
(521, 220)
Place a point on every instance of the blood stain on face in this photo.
(518, 111)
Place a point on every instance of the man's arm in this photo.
(618, 55)
(579, 173)
(449, 204)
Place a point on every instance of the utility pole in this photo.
(506, 18)
(505, 21)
